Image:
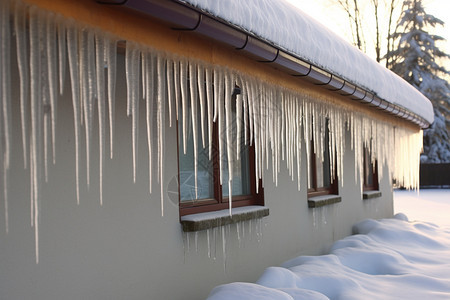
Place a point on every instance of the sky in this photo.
(332, 16)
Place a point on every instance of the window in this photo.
(370, 171)
(210, 195)
(321, 181)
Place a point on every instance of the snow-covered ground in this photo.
(388, 259)
(428, 205)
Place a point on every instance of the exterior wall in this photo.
(126, 250)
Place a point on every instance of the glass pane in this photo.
(241, 167)
(205, 175)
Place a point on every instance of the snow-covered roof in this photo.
(287, 27)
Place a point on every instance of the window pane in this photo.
(241, 167)
(205, 175)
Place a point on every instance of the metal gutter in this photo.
(182, 16)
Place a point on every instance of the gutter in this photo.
(185, 17)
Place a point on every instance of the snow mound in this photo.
(389, 258)
(287, 27)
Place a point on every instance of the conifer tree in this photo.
(417, 59)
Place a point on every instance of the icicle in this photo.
(5, 81)
(209, 98)
(160, 126)
(111, 60)
(135, 94)
(72, 48)
(101, 101)
(202, 95)
(219, 103)
(208, 242)
(238, 125)
(86, 50)
(22, 62)
(193, 89)
(229, 132)
(176, 79)
(36, 33)
(52, 77)
(62, 49)
(184, 101)
(224, 248)
(170, 88)
(150, 86)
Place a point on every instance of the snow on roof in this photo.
(287, 27)
(388, 259)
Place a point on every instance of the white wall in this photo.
(126, 250)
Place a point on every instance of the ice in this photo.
(210, 101)
(184, 101)
(202, 95)
(228, 128)
(52, 77)
(23, 66)
(277, 120)
(72, 51)
(101, 101)
(161, 125)
(111, 60)
(62, 52)
(149, 100)
(194, 108)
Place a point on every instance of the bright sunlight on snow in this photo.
(390, 258)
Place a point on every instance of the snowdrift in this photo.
(389, 258)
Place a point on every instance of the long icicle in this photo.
(24, 74)
(194, 96)
(111, 60)
(36, 32)
(184, 101)
(210, 99)
(135, 94)
(161, 125)
(52, 78)
(229, 131)
(5, 93)
(72, 49)
(149, 99)
(62, 52)
(101, 101)
(202, 96)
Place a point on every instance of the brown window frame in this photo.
(375, 184)
(333, 189)
(219, 202)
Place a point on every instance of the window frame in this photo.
(375, 186)
(220, 202)
(314, 191)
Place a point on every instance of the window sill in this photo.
(371, 194)
(207, 220)
(324, 200)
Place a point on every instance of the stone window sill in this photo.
(207, 220)
(371, 194)
(323, 200)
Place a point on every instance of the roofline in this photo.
(186, 17)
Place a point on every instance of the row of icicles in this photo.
(279, 121)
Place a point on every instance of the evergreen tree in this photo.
(417, 59)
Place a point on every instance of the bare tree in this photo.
(354, 17)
